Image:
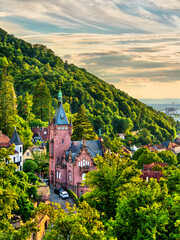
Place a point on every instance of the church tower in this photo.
(60, 131)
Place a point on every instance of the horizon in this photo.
(132, 45)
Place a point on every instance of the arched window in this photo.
(83, 177)
(84, 162)
(69, 176)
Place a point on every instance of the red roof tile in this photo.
(4, 139)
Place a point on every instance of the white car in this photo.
(64, 194)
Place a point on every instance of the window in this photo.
(84, 162)
(62, 115)
(62, 128)
(66, 128)
(79, 164)
(14, 159)
(52, 148)
(69, 176)
(88, 163)
(27, 154)
(81, 193)
(20, 158)
(83, 177)
(59, 175)
(58, 160)
(63, 141)
(45, 132)
(59, 128)
(20, 149)
(52, 164)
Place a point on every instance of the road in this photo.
(55, 198)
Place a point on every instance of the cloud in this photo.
(131, 44)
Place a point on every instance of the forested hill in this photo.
(109, 109)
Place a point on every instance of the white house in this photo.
(5, 142)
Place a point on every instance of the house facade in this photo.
(5, 142)
(69, 160)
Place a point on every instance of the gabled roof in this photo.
(60, 116)
(93, 147)
(16, 139)
(4, 138)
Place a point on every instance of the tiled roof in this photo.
(16, 139)
(5, 145)
(60, 116)
(93, 147)
(4, 139)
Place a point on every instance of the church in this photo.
(70, 160)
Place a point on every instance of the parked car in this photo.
(46, 181)
(64, 194)
(58, 190)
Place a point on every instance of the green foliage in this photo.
(148, 158)
(178, 158)
(25, 207)
(25, 107)
(29, 166)
(14, 199)
(108, 108)
(144, 212)
(73, 196)
(157, 167)
(42, 102)
(32, 178)
(139, 152)
(7, 105)
(145, 137)
(82, 128)
(42, 161)
(169, 157)
(112, 172)
(85, 224)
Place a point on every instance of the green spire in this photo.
(60, 96)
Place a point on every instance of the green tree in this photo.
(29, 166)
(168, 157)
(82, 127)
(144, 212)
(148, 158)
(42, 161)
(84, 224)
(42, 102)
(7, 105)
(139, 152)
(13, 187)
(112, 171)
(25, 107)
(145, 137)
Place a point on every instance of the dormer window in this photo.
(62, 115)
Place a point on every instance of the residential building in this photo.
(148, 172)
(5, 142)
(69, 160)
(34, 149)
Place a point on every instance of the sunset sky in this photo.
(132, 44)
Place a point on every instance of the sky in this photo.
(132, 44)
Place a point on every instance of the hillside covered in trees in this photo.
(37, 72)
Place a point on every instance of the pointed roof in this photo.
(15, 138)
(60, 115)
